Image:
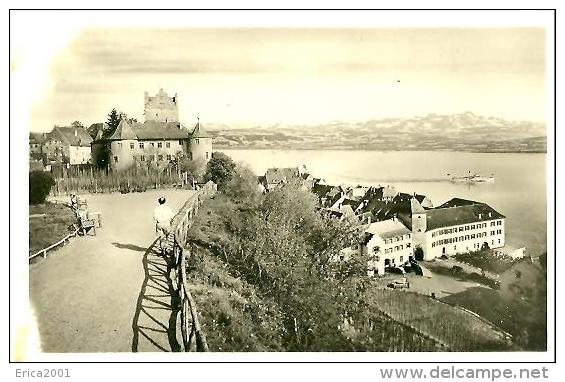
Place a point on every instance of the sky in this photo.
(264, 76)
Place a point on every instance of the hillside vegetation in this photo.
(48, 229)
(263, 279)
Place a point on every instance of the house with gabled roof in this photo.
(67, 145)
(386, 244)
(277, 177)
(36, 141)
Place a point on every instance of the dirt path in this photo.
(109, 292)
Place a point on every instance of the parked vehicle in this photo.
(399, 284)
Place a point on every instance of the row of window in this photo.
(468, 227)
(143, 158)
(397, 238)
(462, 238)
(159, 144)
(377, 258)
(142, 144)
(397, 248)
(158, 157)
(476, 246)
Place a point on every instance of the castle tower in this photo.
(419, 223)
(200, 144)
(419, 227)
(161, 107)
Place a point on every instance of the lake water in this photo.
(519, 191)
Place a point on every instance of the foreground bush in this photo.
(40, 183)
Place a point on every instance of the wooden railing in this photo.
(190, 325)
(63, 241)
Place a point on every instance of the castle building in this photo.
(157, 141)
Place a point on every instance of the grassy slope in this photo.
(457, 329)
(44, 231)
(232, 314)
(511, 316)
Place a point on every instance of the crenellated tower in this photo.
(161, 107)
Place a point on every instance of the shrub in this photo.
(40, 183)
(220, 169)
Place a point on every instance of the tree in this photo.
(220, 169)
(77, 124)
(195, 168)
(114, 118)
(102, 155)
(284, 246)
(243, 185)
(40, 183)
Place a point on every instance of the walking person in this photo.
(163, 216)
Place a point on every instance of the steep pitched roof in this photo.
(36, 138)
(457, 202)
(416, 207)
(469, 213)
(95, 130)
(123, 131)
(374, 204)
(396, 207)
(387, 228)
(420, 198)
(352, 202)
(333, 198)
(73, 136)
(199, 132)
(281, 175)
(149, 130)
(321, 189)
(334, 190)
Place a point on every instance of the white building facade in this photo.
(458, 226)
(387, 244)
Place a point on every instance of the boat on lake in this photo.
(471, 178)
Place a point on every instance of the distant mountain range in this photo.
(460, 132)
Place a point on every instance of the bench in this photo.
(97, 217)
(87, 225)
